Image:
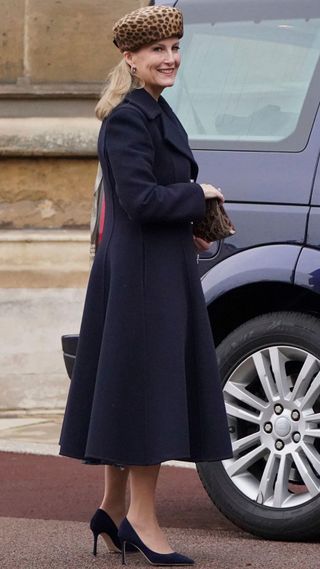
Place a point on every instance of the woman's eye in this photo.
(175, 48)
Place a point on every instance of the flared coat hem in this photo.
(91, 460)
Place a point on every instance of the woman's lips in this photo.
(166, 71)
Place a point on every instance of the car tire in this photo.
(270, 370)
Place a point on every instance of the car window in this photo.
(248, 84)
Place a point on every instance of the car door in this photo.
(307, 272)
(247, 94)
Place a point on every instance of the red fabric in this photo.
(101, 219)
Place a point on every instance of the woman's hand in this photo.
(201, 244)
(212, 192)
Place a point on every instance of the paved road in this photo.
(32, 372)
(46, 502)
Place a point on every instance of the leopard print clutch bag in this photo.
(216, 224)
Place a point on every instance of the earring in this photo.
(133, 70)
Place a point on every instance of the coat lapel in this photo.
(173, 131)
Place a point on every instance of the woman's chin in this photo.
(167, 82)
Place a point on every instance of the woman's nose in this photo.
(169, 56)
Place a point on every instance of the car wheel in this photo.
(270, 369)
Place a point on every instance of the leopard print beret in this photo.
(147, 25)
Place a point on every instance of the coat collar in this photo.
(145, 102)
(173, 131)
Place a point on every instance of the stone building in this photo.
(54, 57)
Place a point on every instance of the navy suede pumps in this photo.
(128, 536)
(102, 524)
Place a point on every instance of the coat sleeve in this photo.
(131, 154)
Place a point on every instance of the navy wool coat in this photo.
(145, 386)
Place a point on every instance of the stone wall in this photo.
(54, 57)
(47, 192)
(11, 40)
(58, 41)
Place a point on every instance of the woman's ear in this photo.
(128, 57)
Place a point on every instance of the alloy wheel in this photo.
(273, 404)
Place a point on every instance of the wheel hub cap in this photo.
(282, 427)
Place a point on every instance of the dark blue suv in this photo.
(248, 93)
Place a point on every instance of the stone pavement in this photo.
(46, 500)
(32, 373)
(61, 545)
(30, 432)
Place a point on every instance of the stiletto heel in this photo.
(95, 541)
(102, 524)
(128, 536)
(123, 549)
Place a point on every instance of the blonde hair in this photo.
(119, 83)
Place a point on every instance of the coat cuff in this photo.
(200, 209)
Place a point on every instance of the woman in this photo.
(145, 387)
